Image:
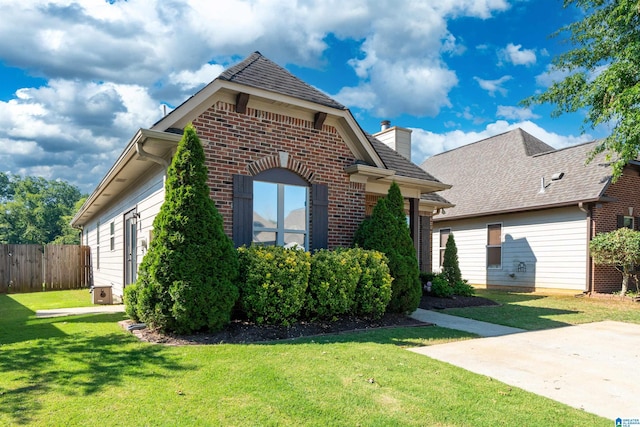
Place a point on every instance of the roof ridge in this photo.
(476, 142)
(260, 72)
(236, 69)
(569, 147)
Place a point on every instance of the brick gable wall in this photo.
(249, 143)
(626, 190)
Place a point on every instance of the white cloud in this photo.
(134, 55)
(426, 144)
(402, 64)
(493, 86)
(517, 113)
(516, 55)
(402, 87)
(68, 128)
(189, 80)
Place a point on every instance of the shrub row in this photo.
(279, 286)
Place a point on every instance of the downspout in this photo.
(150, 156)
(589, 286)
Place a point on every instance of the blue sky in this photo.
(78, 78)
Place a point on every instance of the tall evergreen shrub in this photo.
(450, 264)
(187, 279)
(386, 230)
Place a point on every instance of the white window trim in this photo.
(112, 236)
(98, 246)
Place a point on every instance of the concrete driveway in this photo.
(594, 367)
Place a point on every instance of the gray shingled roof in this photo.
(262, 73)
(259, 72)
(503, 174)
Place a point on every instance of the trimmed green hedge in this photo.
(273, 283)
(373, 291)
(279, 286)
(332, 284)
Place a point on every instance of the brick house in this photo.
(525, 212)
(287, 165)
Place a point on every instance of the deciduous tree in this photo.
(620, 249)
(35, 210)
(601, 75)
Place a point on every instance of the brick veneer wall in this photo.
(252, 142)
(626, 191)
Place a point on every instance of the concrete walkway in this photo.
(94, 309)
(483, 329)
(592, 367)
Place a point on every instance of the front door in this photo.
(130, 247)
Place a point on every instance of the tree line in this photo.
(34, 210)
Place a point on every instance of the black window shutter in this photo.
(636, 223)
(319, 216)
(242, 210)
(619, 221)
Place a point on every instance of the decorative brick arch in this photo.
(282, 160)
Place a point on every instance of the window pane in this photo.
(293, 239)
(295, 207)
(494, 236)
(265, 205)
(264, 237)
(494, 257)
(628, 222)
(444, 236)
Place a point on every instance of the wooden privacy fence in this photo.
(37, 268)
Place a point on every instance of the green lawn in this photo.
(85, 370)
(533, 311)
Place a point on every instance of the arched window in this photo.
(280, 209)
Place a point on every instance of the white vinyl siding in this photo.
(542, 249)
(147, 197)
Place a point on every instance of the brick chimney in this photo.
(396, 138)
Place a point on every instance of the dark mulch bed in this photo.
(243, 332)
(434, 303)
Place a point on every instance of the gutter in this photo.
(135, 144)
(527, 209)
(152, 157)
(374, 173)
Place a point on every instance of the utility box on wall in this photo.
(102, 295)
